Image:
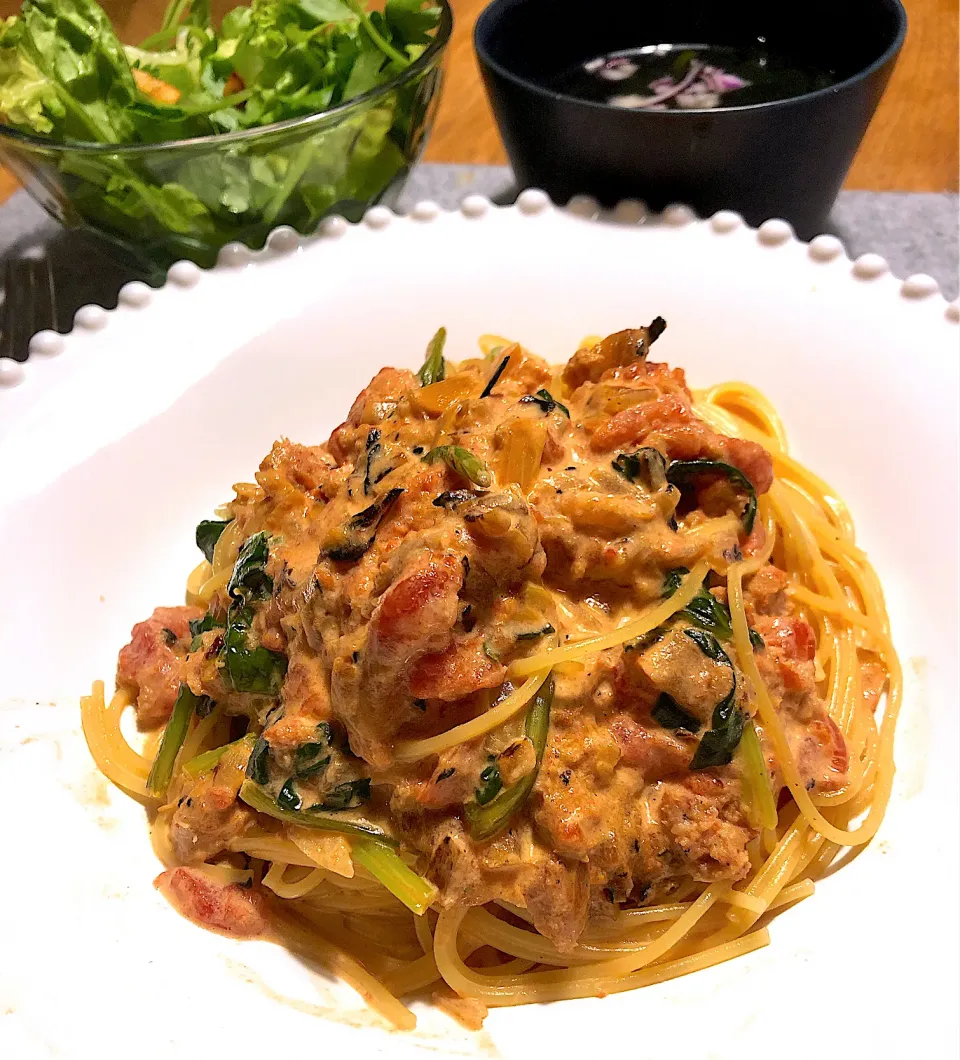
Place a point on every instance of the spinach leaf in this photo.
(682, 473)
(205, 624)
(199, 626)
(546, 401)
(672, 580)
(346, 796)
(710, 614)
(288, 798)
(463, 462)
(647, 466)
(434, 368)
(208, 534)
(257, 670)
(311, 758)
(668, 713)
(717, 745)
(705, 609)
(494, 379)
(490, 784)
(709, 645)
(258, 762)
(250, 580)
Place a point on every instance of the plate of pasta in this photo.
(456, 632)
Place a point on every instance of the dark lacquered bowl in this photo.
(786, 158)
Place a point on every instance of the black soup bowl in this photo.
(785, 158)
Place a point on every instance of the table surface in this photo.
(912, 144)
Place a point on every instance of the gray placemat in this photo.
(915, 232)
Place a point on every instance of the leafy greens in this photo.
(65, 76)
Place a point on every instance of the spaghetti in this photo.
(615, 604)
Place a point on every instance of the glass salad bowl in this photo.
(157, 203)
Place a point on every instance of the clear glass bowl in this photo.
(158, 203)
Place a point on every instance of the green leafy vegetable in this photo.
(495, 378)
(346, 796)
(705, 609)
(485, 821)
(288, 798)
(463, 462)
(434, 368)
(258, 762)
(545, 401)
(65, 75)
(710, 614)
(311, 758)
(171, 742)
(668, 713)
(250, 669)
(717, 745)
(250, 580)
(199, 626)
(672, 580)
(682, 473)
(709, 645)
(490, 784)
(208, 534)
(647, 466)
(255, 797)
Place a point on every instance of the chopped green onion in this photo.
(757, 778)
(259, 800)
(484, 822)
(171, 741)
(416, 893)
(208, 759)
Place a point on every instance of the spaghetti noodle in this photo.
(538, 617)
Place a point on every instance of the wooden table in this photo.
(911, 145)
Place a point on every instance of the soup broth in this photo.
(691, 77)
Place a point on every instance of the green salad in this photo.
(66, 77)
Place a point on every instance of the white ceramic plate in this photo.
(116, 439)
